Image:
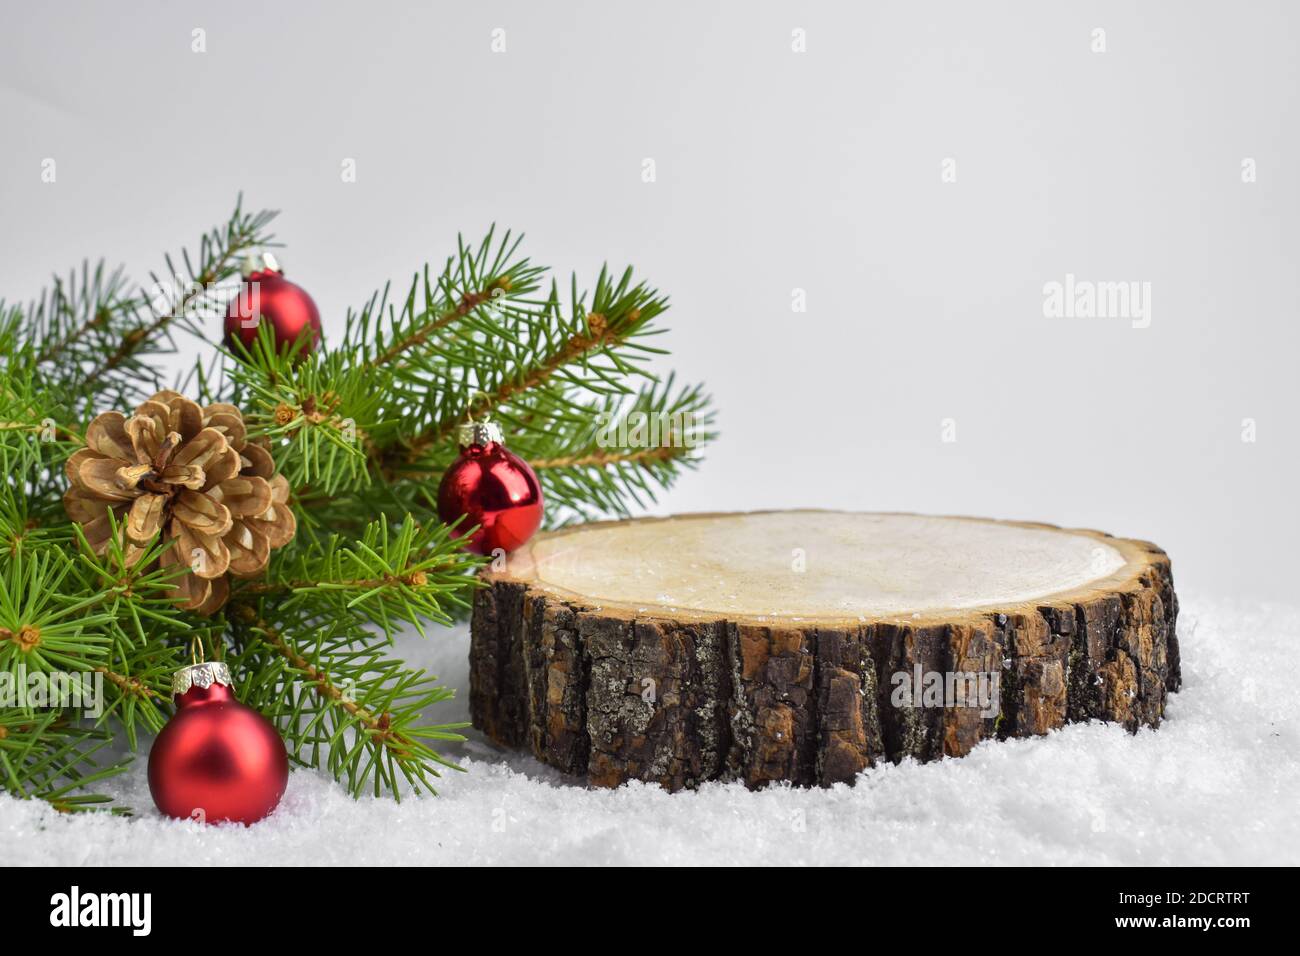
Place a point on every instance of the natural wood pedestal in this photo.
(807, 645)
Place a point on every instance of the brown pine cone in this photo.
(191, 474)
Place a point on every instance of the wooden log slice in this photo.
(808, 645)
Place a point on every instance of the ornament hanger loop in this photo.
(196, 650)
(469, 409)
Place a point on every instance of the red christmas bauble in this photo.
(267, 295)
(216, 760)
(493, 488)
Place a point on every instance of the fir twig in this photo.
(360, 431)
(184, 297)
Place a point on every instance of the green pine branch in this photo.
(192, 294)
(613, 453)
(339, 700)
(476, 287)
(594, 346)
(363, 432)
(46, 758)
(388, 577)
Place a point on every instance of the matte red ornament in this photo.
(493, 488)
(267, 295)
(216, 760)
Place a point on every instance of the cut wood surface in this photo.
(805, 646)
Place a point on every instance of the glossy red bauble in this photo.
(217, 760)
(267, 296)
(496, 490)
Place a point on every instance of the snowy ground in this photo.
(1216, 784)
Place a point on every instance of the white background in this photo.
(775, 171)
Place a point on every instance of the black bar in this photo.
(1065, 904)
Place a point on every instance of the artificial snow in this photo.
(1216, 784)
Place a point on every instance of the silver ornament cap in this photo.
(479, 433)
(260, 262)
(201, 675)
